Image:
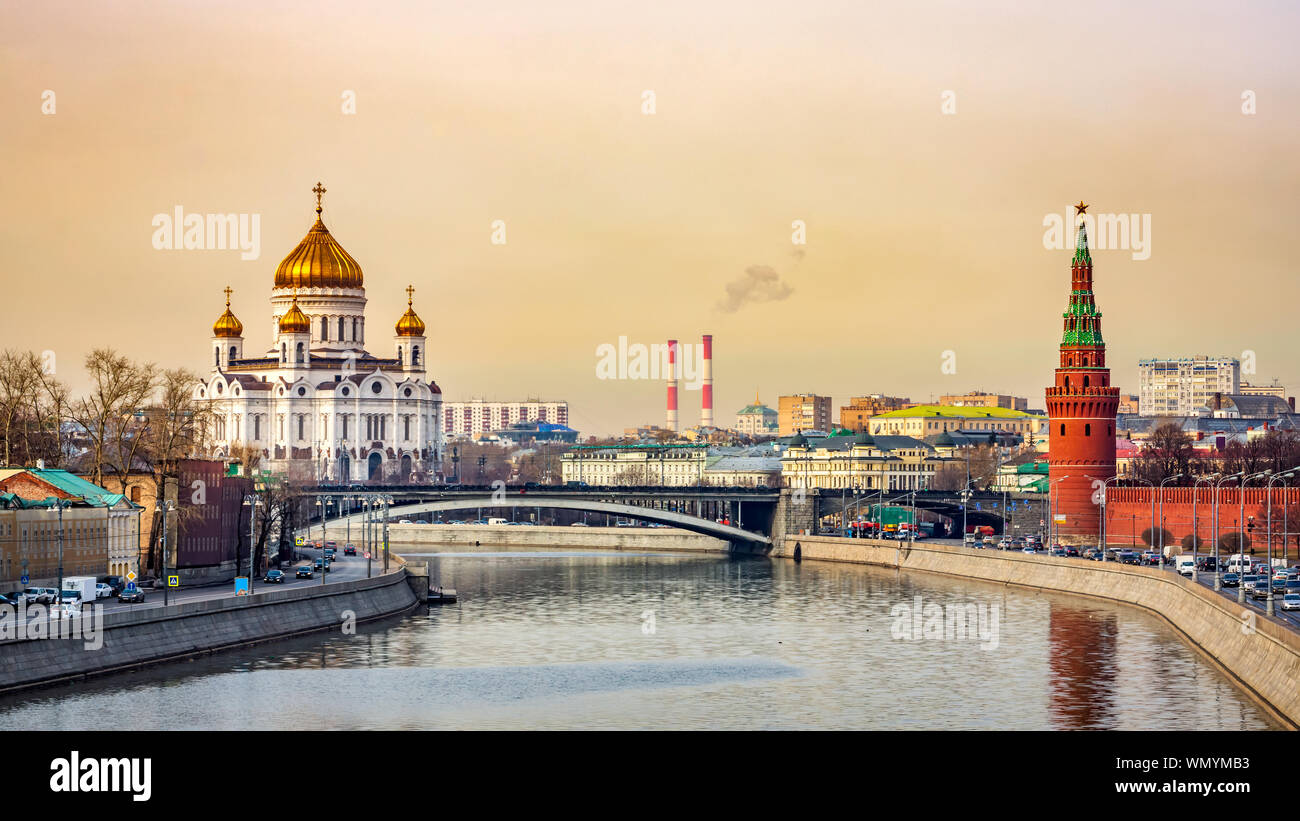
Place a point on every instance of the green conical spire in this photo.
(1081, 255)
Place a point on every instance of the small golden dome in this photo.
(410, 324)
(227, 325)
(294, 320)
(318, 261)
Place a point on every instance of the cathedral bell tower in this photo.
(1081, 407)
(227, 338)
(411, 350)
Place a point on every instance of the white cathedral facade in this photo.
(317, 405)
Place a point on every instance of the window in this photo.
(301, 355)
(216, 357)
(232, 351)
(1087, 430)
(284, 352)
(1085, 381)
(415, 356)
(324, 329)
(1062, 428)
(354, 329)
(302, 418)
(340, 329)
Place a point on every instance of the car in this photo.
(128, 596)
(304, 571)
(1005, 544)
(1230, 580)
(1249, 582)
(274, 577)
(103, 591)
(350, 550)
(1071, 550)
(330, 553)
(11, 599)
(39, 595)
(1129, 557)
(1259, 591)
(1293, 585)
(579, 524)
(1028, 550)
(405, 522)
(1291, 601)
(322, 565)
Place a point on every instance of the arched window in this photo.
(1062, 428)
(340, 329)
(216, 357)
(1087, 429)
(324, 329)
(1085, 381)
(415, 355)
(232, 351)
(354, 329)
(301, 357)
(401, 357)
(284, 352)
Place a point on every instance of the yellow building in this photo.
(929, 420)
(94, 524)
(861, 462)
(804, 411)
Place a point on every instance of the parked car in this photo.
(135, 596)
(40, 595)
(1230, 580)
(1291, 601)
(274, 577)
(304, 571)
(350, 550)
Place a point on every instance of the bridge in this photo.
(752, 517)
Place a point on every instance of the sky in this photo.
(920, 145)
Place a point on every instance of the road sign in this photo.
(366, 554)
(130, 575)
(241, 585)
(24, 579)
(1059, 518)
(130, 586)
(173, 581)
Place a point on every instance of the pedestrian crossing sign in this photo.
(173, 581)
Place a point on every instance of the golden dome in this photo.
(294, 320)
(410, 324)
(227, 325)
(318, 261)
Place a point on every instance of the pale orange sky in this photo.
(924, 229)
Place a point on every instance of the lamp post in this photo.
(252, 503)
(1102, 535)
(59, 505)
(1241, 523)
(1268, 608)
(1162, 512)
(1051, 518)
(1196, 523)
(168, 507)
(1218, 570)
(320, 506)
(387, 500)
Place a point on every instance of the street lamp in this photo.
(1051, 517)
(1102, 536)
(59, 505)
(1162, 511)
(1241, 523)
(1196, 523)
(1268, 609)
(252, 503)
(168, 507)
(321, 505)
(1218, 569)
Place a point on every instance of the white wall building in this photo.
(480, 416)
(317, 403)
(1178, 387)
(624, 465)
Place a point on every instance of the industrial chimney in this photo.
(672, 385)
(706, 409)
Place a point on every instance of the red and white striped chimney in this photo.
(672, 385)
(706, 376)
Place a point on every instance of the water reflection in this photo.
(556, 639)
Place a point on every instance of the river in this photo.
(618, 640)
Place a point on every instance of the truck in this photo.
(1185, 564)
(496, 520)
(81, 588)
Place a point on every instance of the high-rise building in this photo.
(1081, 407)
(855, 415)
(804, 411)
(480, 416)
(980, 399)
(1179, 387)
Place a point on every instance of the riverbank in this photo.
(1261, 656)
(129, 639)
(601, 538)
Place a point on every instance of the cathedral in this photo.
(317, 405)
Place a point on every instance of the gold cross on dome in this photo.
(319, 191)
(410, 294)
(228, 293)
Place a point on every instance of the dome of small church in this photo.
(319, 261)
(410, 324)
(227, 325)
(294, 320)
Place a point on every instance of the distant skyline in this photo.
(925, 230)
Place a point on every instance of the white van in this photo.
(496, 521)
(1185, 565)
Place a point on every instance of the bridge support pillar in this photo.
(796, 515)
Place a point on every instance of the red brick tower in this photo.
(1081, 406)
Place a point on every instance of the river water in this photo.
(618, 640)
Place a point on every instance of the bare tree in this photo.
(119, 388)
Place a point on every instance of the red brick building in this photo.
(1081, 406)
(1129, 512)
